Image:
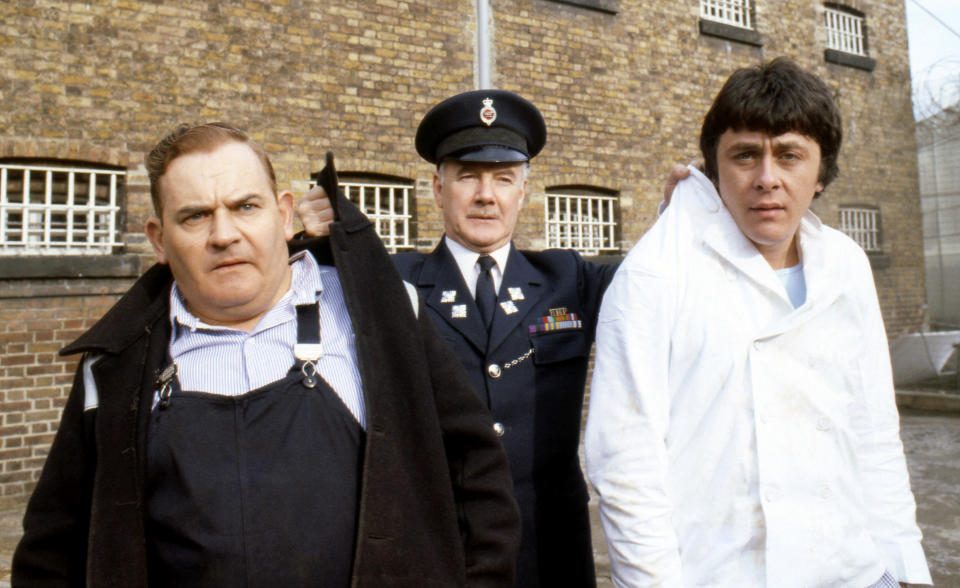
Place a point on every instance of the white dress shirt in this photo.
(736, 440)
(221, 360)
(467, 262)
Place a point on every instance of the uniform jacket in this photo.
(734, 439)
(530, 373)
(435, 504)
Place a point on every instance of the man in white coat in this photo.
(742, 427)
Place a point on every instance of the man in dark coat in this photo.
(527, 356)
(369, 462)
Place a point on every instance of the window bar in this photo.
(587, 220)
(844, 33)
(608, 225)
(91, 217)
(25, 222)
(70, 212)
(568, 242)
(578, 224)
(388, 216)
(551, 224)
(861, 233)
(391, 215)
(406, 217)
(111, 217)
(3, 206)
(47, 201)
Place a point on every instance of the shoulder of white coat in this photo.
(692, 207)
(414, 297)
(839, 244)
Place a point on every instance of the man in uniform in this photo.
(521, 322)
(246, 418)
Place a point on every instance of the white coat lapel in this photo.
(727, 241)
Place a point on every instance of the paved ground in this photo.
(932, 442)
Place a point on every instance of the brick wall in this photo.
(623, 93)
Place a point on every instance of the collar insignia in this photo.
(448, 296)
(458, 311)
(515, 293)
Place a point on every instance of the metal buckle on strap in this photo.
(308, 351)
(164, 382)
(310, 376)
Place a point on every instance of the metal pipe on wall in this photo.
(483, 44)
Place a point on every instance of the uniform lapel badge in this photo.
(458, 311)
(448, 296)
(488, 113)
(508, 306)
(515, 293)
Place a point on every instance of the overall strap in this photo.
(308, 349)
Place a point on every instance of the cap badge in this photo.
(488, 113)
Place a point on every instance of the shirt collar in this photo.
(467, 259)
(305, 287)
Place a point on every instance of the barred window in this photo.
(586, 222)
(730, 12)
(389, 205)
(845, 30)
(59, 208)
(862, 225)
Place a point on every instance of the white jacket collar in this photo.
(699, 198)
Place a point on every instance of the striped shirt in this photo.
(231, 362)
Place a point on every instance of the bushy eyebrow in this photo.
(747, 145)
(785, 145)
(188, 210)
(743, 146)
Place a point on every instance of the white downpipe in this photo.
(483, 44)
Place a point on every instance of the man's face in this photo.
(767, 184)
(480, 202)
(224, 234)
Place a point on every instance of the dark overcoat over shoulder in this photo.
(436, 505)
(530, 372)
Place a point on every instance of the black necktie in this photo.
(486, 294)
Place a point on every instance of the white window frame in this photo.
(862, 224)
(736, 13)
(585, 222)
(845, 31)
(41, 230)
(389, 207)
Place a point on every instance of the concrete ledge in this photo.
(731, 33)
(849, 59)
(934, 401)
(22, 267)
(608, 6)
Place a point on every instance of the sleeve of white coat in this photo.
(627, 423)
(884, 477)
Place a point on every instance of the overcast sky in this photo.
(934, 53)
